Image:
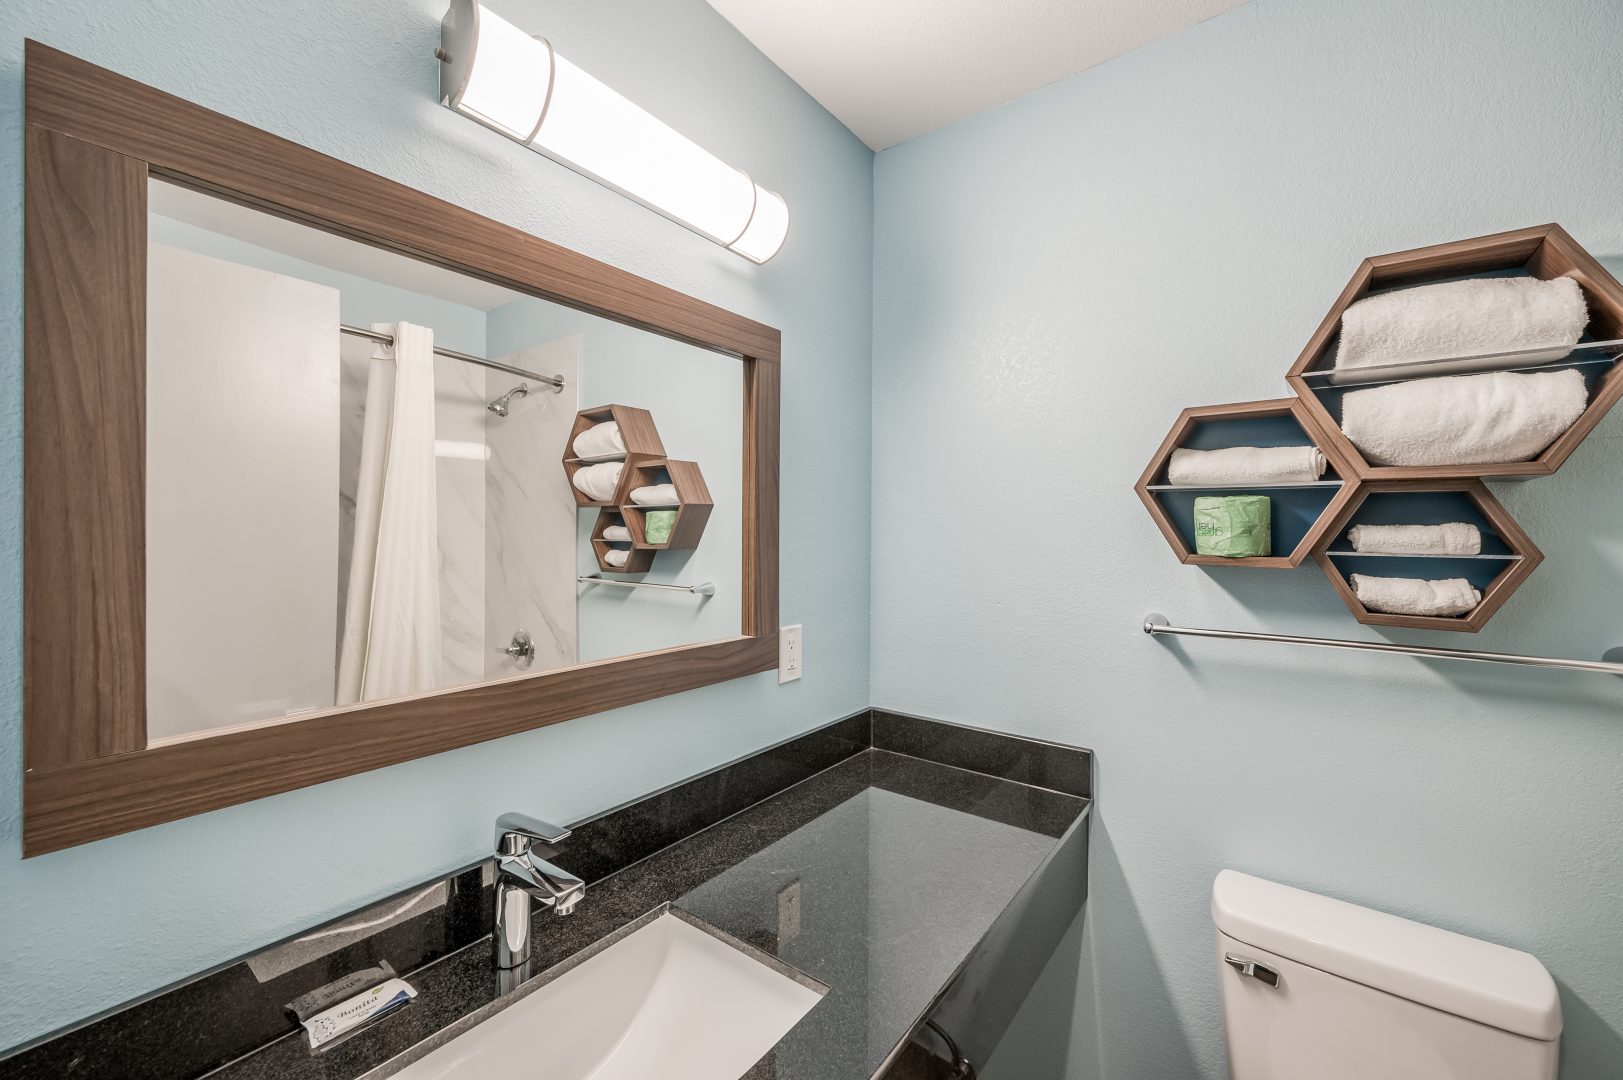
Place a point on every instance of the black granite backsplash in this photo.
(1065, 769)
(207, 1022)
(620, 837)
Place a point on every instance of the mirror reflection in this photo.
(369, 477)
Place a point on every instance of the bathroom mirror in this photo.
(306, 486)
(326, 526)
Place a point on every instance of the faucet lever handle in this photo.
(516, 832)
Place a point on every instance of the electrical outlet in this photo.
(789, 912)
(790, 660)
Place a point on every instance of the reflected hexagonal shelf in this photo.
(692, 504)
(638, 560)
(1546, 251)
(636, 430)
(1300, 512)
(1507, 557)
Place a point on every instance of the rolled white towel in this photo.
(1246, 465)
(600, 440)
(616, 556)
(617, 532)
(654, 495)
(597, 482)
(1465, 420)
(1452, 538)
(1412, 596)
(1463, 318)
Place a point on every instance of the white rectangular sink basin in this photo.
(668, 1000)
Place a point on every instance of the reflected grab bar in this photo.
(707, 588)
(1610, 664)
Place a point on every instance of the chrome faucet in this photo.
(523, 877)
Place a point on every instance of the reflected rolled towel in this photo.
(597, 482)
(600, 440)
(616, 556)
(617, 532)
(1463, 318)
(1245, 465)
(1453, 538)
(1466, 420)
(654, 495)
(1412, 596)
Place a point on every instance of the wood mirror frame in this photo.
(92, 139)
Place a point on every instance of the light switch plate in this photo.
(790, 658)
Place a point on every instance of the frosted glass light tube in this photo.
(496, 74)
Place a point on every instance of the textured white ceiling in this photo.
(891, 70)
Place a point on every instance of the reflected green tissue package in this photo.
(658, 525)
(1233, 526)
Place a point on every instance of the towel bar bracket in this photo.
(1156, 625)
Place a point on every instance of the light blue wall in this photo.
(356, 79)
(1054, 281)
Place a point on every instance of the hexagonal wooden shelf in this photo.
(1508, 554)
(1546, 251)
(641, 438)
(638, 560)
(1300, 512)
(693, 503)
(645, 465)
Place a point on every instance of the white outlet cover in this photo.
(791, 655)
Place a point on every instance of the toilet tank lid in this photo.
(1488, 983)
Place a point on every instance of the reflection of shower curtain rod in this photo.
(554, 381)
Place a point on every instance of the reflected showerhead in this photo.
(499, 406)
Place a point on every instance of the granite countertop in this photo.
(903, 866)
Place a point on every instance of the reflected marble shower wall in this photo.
(459, 475)
(529, 533)
(459, 443)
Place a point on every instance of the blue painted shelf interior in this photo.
(1423, 508)
(1295, 507)
(1591, 358)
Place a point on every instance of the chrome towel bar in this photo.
(1611, 664)
(707, 588)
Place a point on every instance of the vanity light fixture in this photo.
(495, 73)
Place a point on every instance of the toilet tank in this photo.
(1340, 992)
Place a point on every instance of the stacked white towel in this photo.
(617, 557)
(598, 482)
(1452, 538)
(1412, 596)
(1463, 318)
(617, 533)
(1467, 420)
(1245, 465)
(600, 440)
(654, 495)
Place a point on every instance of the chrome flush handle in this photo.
(1253, 970)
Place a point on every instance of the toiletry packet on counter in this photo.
(359, 1010)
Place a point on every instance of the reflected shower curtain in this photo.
(391, 643)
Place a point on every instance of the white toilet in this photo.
(1319, 989)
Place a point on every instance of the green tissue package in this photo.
(1233, 526)
(658, 525)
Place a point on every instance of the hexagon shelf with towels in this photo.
(1435, 368)
(1456, 546)
(1540, 358)
(1303, 490)
(647, 502)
